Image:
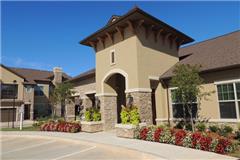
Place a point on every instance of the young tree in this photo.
(60, 94)
(188, 82)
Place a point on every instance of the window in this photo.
(178, 109)
(38, 91)
(28, 88)
(229, 100)
(9, 91)
(112, 59)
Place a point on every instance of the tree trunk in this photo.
(191, 118)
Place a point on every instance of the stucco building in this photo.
(31, 88)
(136, 54)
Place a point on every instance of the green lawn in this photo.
(30, 128)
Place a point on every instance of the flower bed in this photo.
(180, 137)
(61, 127)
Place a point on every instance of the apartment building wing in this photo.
(30, 87)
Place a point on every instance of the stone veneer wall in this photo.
(70, 110)
(143, 101)
(108, 111)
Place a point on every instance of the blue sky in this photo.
(42, 35)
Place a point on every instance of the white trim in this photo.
(224, 120)
(172, 88)
(153, 78)
(91, 122)
(227, 81)
(75, 94)
(114, 71)
(161, 119)
(90, 92)
(106, 94)
(138, 90)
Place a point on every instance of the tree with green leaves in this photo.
(188, 91)
(60, 94)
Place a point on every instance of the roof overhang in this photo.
(136, 17)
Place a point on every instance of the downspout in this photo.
(168, 109)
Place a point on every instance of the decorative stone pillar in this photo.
(70, 110)
(108, 105)
(86, 102)
(143, 101)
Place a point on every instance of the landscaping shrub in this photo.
(208, 141)
(61, 127)
(201, 127)
(96, 115)
(92, 114)
(130, 115)
(213, 128)
(225, 130)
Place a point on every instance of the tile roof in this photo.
(85, 75)
(33, 75)
(217, 53)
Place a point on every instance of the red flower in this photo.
(195, 138)
(143, 133)
(223, 143)
(179, 136)
(205, 143)
(157, 134)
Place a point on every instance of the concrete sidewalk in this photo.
(26, 123)
(164, 151)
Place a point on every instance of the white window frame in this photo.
(112, 51)
(171, 103)
(236, 100)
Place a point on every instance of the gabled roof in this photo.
(135, 14)
(31, 76)
(85, 75)
(214, 54)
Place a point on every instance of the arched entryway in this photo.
(116, 84)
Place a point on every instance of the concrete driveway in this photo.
(52, 148)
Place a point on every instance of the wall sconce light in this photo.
(129, 100)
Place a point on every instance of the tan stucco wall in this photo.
(8, 78)
(138, 56)
(126, 60)
(154, 57)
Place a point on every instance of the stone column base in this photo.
(143, 101)
(108, 109)
(70, 111)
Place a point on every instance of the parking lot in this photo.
(47, 148)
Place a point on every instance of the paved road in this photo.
(51, 148)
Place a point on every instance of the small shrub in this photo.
(92, 114)
(237, 135)
(134, 116)
(201, 127)
(61, 127)
(214, 128)
(87, 115)
(225, 130)
(96, 115)
(130, 115)
(208, 141)
(124, 115)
